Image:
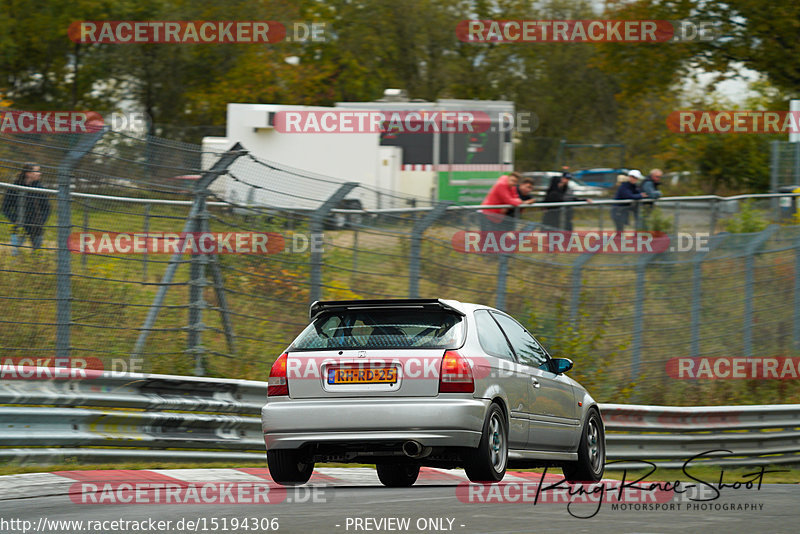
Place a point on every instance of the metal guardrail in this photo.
(47, 416)
(149, 417)
(671, 435)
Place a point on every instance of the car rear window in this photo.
(382, 329)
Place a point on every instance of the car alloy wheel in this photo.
(488, 462)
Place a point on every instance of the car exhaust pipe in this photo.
(414, 449)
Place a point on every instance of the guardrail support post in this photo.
(420, 226)
(64, 268)
(316, 225)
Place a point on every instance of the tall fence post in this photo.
(749, 281)
(577, 275)
(64, 268)
(85, 231)
(638, 314)
(146, 232)
(316, 225)
(420, 226)
(219, 289)
(774, 174)
(697, 291)
(712, 226)
(197, 285)
(796, 324)
(220, 167)
(502, 271)
(796, 146)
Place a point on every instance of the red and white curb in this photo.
(67, 482)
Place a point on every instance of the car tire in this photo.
(288, 467)
(591, 452)
(488, 462)
(397, 475)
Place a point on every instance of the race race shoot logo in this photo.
(582, 31)
(50, 122)
(734, 368)
(579, 242)
(585, 499)
(400, 122)
(726, 122)
(192, 243)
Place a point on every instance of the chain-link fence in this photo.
(89, 295)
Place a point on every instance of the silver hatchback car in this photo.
(425, 382)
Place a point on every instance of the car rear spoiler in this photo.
(319, 307)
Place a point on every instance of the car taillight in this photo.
(277, 384)
(456, 374)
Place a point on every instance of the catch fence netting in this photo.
(621, 317)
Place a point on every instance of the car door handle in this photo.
(535, 381)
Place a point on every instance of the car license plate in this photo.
(345, 375)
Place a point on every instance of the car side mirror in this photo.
(561, 365)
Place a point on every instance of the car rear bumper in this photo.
(434, 422)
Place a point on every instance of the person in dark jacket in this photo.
(628, 190)
(650, 187)
(559, 191)
(27, 210)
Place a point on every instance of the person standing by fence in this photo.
(629, 190)
(27, 210)
(504, 191)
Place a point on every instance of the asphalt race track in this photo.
(352, 500)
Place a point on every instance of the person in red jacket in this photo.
(504, 191)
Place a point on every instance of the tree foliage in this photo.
(580, 92)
